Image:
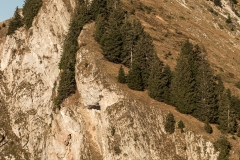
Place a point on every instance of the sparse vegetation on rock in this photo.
(121, 75)
(181, 125)
(30, 10)
(223, 146)
(15, 22)
(170, 123)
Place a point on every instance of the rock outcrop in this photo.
(101, 121)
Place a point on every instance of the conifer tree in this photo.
(181, 126)
(170, 123)
(223, 146)
(144, 56)
(227, 118)
(157, 81)
(134, 78)
(112, 42)
(128, 43)
(121, 75)
(218, 3)
(168, 78)
(15, 23)
(238, 132)
(99, 28)
(207, 127)
(131, 33)
(98, 7)
(182, 87)
(206, 95)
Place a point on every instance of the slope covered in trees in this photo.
(192, 88)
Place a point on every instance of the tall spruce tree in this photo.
(183, 83)
(157, 81)
(112, 41)
(128, 43)
(99, 28)
(144, 56)
(227, 118)
(206, 96)
(134, 78)
(167, 78)
(131, 33)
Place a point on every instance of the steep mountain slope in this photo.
(171, 22)
(104, 119)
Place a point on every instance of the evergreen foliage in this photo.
(217, 3)
(235, 105)
(181, 125)
(183, 83)
(144, 56)
(112, 40)
(15, 22)
(238, 132)
(227, 120)
(98, 8)
(224, 147)
(205, 91)
(30, 10)
(167, 79)
(234, 1)
(208, 128)
(134, 78)
(99, 28)
(229, 20)
(170, 123)
(121, 75)
(157, 81)
(67, 83)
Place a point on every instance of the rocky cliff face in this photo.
(103, 120)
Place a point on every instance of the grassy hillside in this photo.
(171, 22)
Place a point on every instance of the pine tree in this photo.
(182, 87)
(156, 82)
(181, 126)
(128, 43)
(224, 147)
(170, 123)
(131, 33)
(218, 3)
(206, 95)
(98, 7)
(144, 56)
(168, 78)
(99, 28)
(134, 78)
(238, 132)
(227, 118)
(15, 23)
(207, 127)
(111, 41)
(121, 75)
